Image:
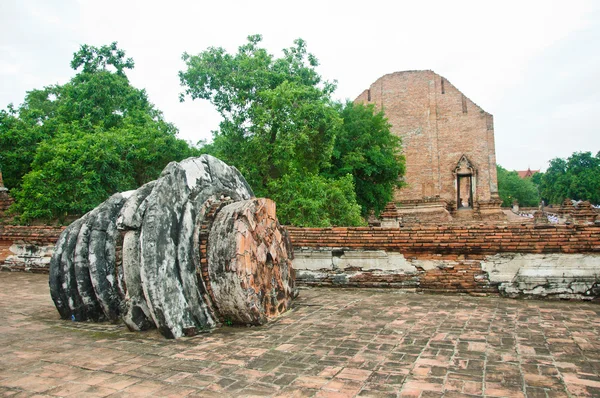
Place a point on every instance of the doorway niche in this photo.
(465, 184)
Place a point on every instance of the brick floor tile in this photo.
(334, 343)
(354, 374)
(143, 388)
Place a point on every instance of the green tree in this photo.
(85, 140)
(315, 201)
(278, 117)
(279, 126)
(577, 177)
(365, 148)
(75, 171)
(512, 187)
(22, 129)
(284, 132)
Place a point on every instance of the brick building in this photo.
(448, 142)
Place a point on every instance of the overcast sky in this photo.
(534, 65)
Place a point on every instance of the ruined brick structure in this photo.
(448, 142)
(5, 199)
(560, 261)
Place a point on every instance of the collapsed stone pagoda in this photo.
(185, 253)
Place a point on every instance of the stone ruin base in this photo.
(437, 210)
(423, 211)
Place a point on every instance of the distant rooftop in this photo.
(527, 173)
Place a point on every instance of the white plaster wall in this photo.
(29, 255)
(506, 267)
(557, 274)
(367, 260)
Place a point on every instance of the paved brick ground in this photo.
(335, 343)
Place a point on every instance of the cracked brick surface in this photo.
(334, 343)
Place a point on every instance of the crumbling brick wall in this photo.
(455, 239)
(560, 260)
(5, 201)
(544, 260)
(27, 247)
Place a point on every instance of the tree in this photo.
(75, 171)
(278, 117)
(577, 177)
(22, 129)
(85, 140)
(512, 187)
(284, 132)
(365, 148)
(315, 201)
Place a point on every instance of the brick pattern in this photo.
(336, 343)
(5, 202)
(203, 277)
(464, 277)
(455, 239)
(458, 274)
(438, 125)
(461, 247)
(30, 234)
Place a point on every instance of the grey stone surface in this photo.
(56, 276)
(136, 313)
(101, 256)
(91, 306)
(158, 243)
(133, 210)
(67, 267)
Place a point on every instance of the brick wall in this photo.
(455, 239)
(438, 124)
(516, 260)
(32, 234)
(426, 239)
(27, 247)
(548, 260)
(5, 201)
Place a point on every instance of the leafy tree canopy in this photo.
(577, 177)
(284, 132)
(67, 148)
(315, 201)
(278, 117)
(512, 187)
(365, 148)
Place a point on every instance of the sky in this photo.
(534, 65)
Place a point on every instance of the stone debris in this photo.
(184, 254)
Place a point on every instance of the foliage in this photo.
(512, 187)
(67, 148)
(315, 201)
(22, 129)
(281, 129)
(365, 148)
(577, 177)
(277, 114)
(75, 171)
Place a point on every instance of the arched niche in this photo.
(465, 175)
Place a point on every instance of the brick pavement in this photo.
(334, 343)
